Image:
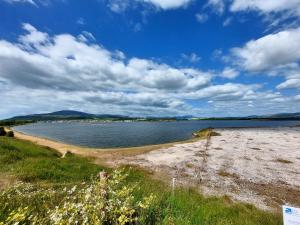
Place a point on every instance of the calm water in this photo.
(121, 134)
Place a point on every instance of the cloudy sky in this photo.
(150, 57)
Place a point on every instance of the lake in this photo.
(130, 134)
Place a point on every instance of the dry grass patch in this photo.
(205, 133)
(224, 173)
(284, 161)
(189, 165)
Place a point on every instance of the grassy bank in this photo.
(46, 174)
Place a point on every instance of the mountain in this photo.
(65, 115)
(69, 113)
(76, 115)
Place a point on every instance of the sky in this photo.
(206, 58)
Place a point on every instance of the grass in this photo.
(46, 170)
(284, 161)
(205, 133)
(224, 173)
(31, 163)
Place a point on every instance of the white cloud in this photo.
(270, 52)
(86, 36)
(192, 58)
(53, 65)
(34, 37)
(81, 21)
(217, 5)
(267, 6)
(169, 4)
(201, 17)
(42, 73)
(21, 1)
(297, 98)
(118, 6)
(227, 22)
(229, 73)
(290, 83)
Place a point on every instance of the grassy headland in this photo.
(47, 172)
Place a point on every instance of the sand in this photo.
(254, 165)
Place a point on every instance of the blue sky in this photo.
(150, 57)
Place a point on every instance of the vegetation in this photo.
(32, 163)
(9, 123)
(284, 161)
(2, 131)
(205, 133)
(104, 201)
(64, 190)
(10, 134)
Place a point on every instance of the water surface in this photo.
(130, 134)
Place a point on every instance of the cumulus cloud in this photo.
(229, 73)
(119, 6)
(168, 4)
(52, 65)
(20, 1)
(42, 72)
(269, 52)
(267, 6)
(297, 98)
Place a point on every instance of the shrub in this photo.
(10, 134)
(2, 131)
(104, 201)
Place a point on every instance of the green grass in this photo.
(32, 163)
(44, 168)
(187, 206)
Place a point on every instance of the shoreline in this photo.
(117, 152)
(100, 153)
(254, 165)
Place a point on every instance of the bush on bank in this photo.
(10, 134)
(2, 131)
(104, 201)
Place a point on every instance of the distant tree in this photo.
(2, 131)
(10, 134)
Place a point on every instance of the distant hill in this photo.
(76, 115)
(65, 115)
(278, 116)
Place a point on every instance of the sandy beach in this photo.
(254, 165)
(260, 166)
